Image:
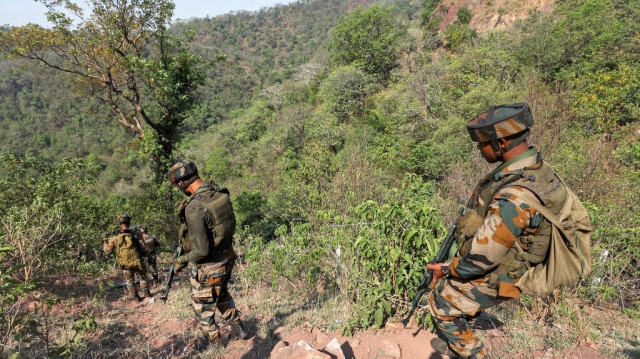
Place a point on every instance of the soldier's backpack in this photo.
(127, 253)
(569, 258)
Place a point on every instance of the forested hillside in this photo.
(339, 128)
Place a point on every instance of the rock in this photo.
(276, 349)
(334, 349)
(355, 343)
(321, 337)
(391, 349)
(306, 326)
(300, 350)
(278, 331)
(394, 327)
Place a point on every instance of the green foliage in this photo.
(428, 7)
(252, 211)
(148, 81)
(11, 290)
(368, 39)
(464, 15)
(457, 34)
(46, 209)
(390, 253)
(345, 91)
(217, 165)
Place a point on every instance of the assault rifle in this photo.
(172, 272)
(441, 256)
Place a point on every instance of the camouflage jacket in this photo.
(503, 220)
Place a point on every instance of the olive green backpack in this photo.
(127, 254)
(569, 258)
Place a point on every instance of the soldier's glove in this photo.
(178, 266)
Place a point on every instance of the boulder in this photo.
(391, 349)
(276, 349)
(333, 348)
(300, 350)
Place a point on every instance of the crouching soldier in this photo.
(129, 258)
(506, 229)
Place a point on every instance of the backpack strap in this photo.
(534, 202)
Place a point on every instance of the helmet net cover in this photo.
(183, 170)
(499, 122)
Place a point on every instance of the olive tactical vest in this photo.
(548, 189)
(127, 253)
(216, 200)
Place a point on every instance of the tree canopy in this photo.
(121, 54)
(368, 39)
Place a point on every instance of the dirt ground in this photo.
(151, 329)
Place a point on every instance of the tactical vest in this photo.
(217, 202)
(548, 188)
(127, 253)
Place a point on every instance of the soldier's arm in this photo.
(507, 219)
(197, 218)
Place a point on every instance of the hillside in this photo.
(340, 132)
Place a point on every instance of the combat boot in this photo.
(238, 329)
(133, 295)
(145, 292)
(204, 342)
(442, 347)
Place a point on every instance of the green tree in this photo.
(368, 38)
(122, 55)
(345, 90)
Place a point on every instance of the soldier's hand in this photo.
(178, 266)
(437, 273)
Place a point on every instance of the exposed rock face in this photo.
(492, 14)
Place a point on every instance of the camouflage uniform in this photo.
(129, 271)
(207, 240)
(83, 252)
(499, 237)
(73, 253)
(151, 244)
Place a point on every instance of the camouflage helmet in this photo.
(124, 218)
(143, 229)
(501, 121)
(183, 170)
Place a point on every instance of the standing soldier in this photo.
(151, 245)
(128, 257)
(501, 234)
(207, 225)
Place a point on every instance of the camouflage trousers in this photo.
(453, 302)
(150, 263)
(129, 278)
(209, 291)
